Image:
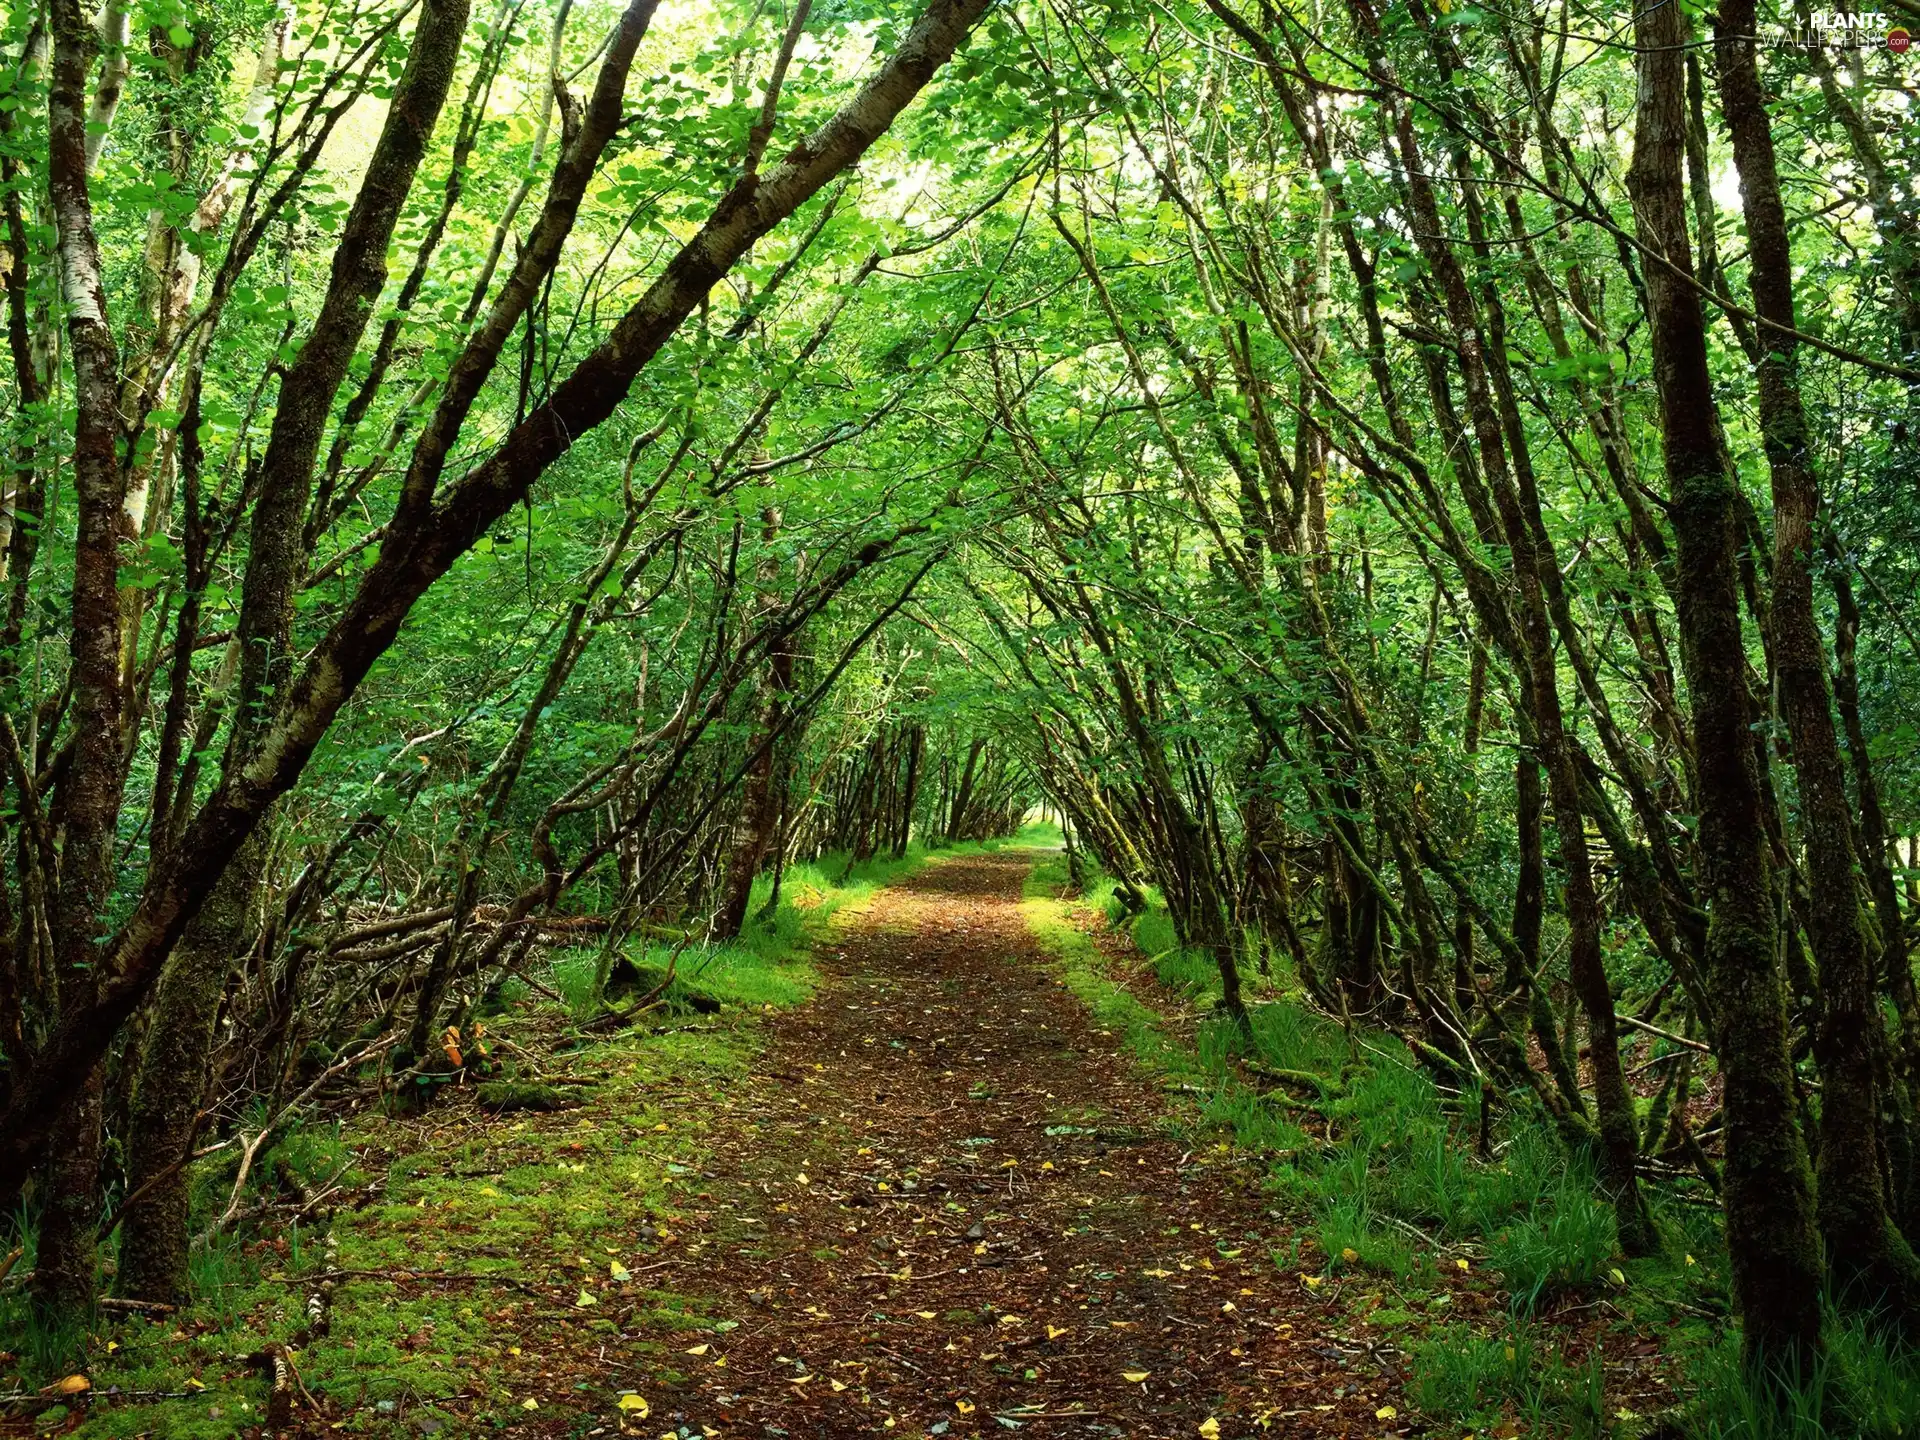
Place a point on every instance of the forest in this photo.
(1312, 607)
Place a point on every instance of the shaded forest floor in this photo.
(941, 1198)
(954, 1158)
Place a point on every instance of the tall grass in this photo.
(1866, 1386)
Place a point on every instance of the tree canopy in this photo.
(1425, 491)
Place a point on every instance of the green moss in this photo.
(486, 1231)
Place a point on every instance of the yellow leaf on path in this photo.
(1210, 1427)
(1385, 1412)
(529, 1403)
(1314, 1282)
(513, 1349)
(1349, 1255)
(585, 1299)
(1054, 1332)
(1011, 1320)
(802, 1178)
(721, 1363)
(74, 1384)
(1463, 1264)
(631, 1403)
(965, 1407)
(837, 1384)
(699, 1349)
(1133, 1376)
(924, 1314)
(69, 1386)
(619, 1272)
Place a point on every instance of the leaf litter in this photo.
(946, 1189)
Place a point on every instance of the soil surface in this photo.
(945, 1202)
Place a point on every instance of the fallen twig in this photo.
(253, 1146)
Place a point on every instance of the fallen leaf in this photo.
(924, 1314)
(619, 1273)
(1133, 1376)
(74, 1384)
(1054, 1332)
(965, 1407)
(699, 1349)
(585, 1299)
(529, 1403)
(1349, 1255)
(1463, 1264)
(1385, 1412)
(1209, 1427)
(629, 1402)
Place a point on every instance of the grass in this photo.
(563, 1201)
(1493, 1270)
(1486, 1380)
(1866, 1385)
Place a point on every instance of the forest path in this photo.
(945, 1202)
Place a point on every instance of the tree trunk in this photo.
(963, 797)
(916, 745)
(760, 805)
(161, 1122)
(1772, 1244)
(1870, 1260)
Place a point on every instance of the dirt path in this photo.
(945, 1203)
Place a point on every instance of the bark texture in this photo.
(1771, 1240)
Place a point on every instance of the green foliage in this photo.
(1866, 1385)
(1481, 1380)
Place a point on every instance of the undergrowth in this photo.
(1477, 1244)
(484, 1205)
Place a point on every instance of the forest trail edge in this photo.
(944, 1202)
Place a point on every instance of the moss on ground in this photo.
(478, 1255)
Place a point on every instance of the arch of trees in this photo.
(1428, 488)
